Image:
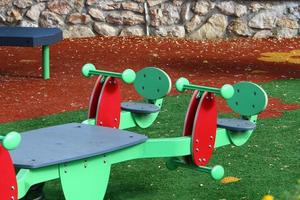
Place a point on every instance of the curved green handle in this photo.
(128, 75)
(11, 140)
(226, 91)
(217, 172)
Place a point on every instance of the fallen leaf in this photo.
(28, 61)
(229, 179)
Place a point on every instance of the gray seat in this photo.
(141, 108)
(69, 142)
(238, 125)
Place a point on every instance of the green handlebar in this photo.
(226, 91)
(128, 75)
(217, 172)
(11, 140)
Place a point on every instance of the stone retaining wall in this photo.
(202, 19)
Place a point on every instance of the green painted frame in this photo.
(152, 148)
(172, 148)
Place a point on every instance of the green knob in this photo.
(86, 69)
(180, 83)
(128, 76)
(171, 165)
(11, 140)
(217, 172)
(227, 91)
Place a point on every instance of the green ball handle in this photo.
(180, 83)
(11, 140)
(128, 75)
(226, 91)
(87, 68)
(217, 172)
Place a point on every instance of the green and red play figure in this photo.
(87, 176)
(151, 83)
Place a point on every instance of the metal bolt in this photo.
(211, 137)
(197, 149)
(12, 187)
(207, 97)
(200, 159)
(110, 82)
(101, 123)
(116, 119)
(12, 198)
(197, 141)
(204, 159)
(115, 82)
(209, 146)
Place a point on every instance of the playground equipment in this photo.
(150, 83)
(81, 155)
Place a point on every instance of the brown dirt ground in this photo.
(23, 94)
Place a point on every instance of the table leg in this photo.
(46, 62)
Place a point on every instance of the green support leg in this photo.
(29, 177)
(85, 179)
(46, 62)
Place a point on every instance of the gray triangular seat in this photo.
(141, 108)
(238, 125)
(69, 142)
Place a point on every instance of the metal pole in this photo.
(46, 62)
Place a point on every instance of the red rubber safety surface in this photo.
(8, 182)
(189, 119)
(24, 94)
(93, 104)
(109, 105)
(204, 131)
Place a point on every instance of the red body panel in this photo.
(189, 119)
(95, 98)
(204, 130)
(109, 105)
(8, 182)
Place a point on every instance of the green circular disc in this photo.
(248, 99)
(152, 83)
(238, 138)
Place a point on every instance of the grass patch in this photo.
(268, 163)
(287, 90)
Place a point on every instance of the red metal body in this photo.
(109, 104)
(204, 130)
(8, 182)
(95, 98)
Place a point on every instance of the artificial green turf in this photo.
(287, 90)
(268, 163)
